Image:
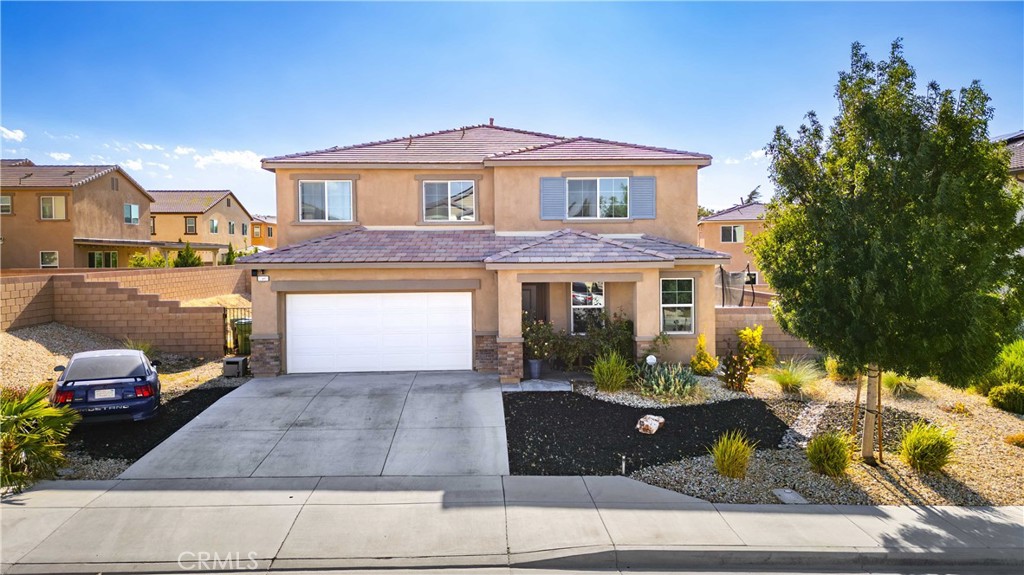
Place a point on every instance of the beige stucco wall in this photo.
(25, 234)
(383, 197)
(171, 227)
(710, 237)
(99, 210)
(517, 206)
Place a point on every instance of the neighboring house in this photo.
(1015, 142)
(264, 231)
(16, 162)
(70, 216)
(208, 220)
(423, 252)
(730, 231)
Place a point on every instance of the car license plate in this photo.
(105, 394)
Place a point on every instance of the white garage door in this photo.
(379, 332)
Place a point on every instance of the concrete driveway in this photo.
(422, 423)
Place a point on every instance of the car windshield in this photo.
(108, 367)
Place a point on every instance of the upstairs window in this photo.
(257, 231)
(231, 228)
(732, 234)
(453, 201)
(6, 205)
(325, 201)
(152, 225)
(113, 184)
(214, 226)
(131, 214)
(245, 229)
(597, 198)
(270, 232)
(586, 305)
(190, 225)
(52, 208)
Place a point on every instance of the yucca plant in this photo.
(830, 453)
(731, 453)
(926, 447)
(611, 372)
(32, 436)
(143, 346)
(668, 380)
(796, 376)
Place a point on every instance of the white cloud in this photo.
(98, 158)
(245, 159)
(142, 146)
(133, 164)
(164, 167)
(60, 156)
(16, 135)
(183, 151)
(731, 161)
(65, 137)
(755, 155)
(118, 146)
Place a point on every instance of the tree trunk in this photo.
(870, 412)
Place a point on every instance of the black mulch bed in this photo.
(839, 417)
(571, 434)
(130, 440)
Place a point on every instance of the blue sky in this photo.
(191, 95)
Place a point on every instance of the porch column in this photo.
(647, 309)
(510, 327)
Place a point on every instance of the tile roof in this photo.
(573, 246)
(363, 246)
(15, 162)
(265, 219)
(57, 176)
(1015, 142)
(185, 201)
(594, 149)
(752, 211)
(480, 144)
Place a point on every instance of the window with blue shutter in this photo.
(642, 198)
(552, 198)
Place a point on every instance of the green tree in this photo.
(703, 212)
(231, 256)
(187, 258)
(892, 242)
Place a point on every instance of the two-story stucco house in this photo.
(730, 231)
(71, 216)
(422, 252)
(208, 219)
(264, 231)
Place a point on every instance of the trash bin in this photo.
(243, 329)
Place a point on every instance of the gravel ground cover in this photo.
(565, 433)
(711, 392)
(104, 450)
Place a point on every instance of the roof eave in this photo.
(580, 265)
(351, 265)
(699, 162)
(273, 166)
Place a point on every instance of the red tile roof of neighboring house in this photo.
(752, 211)
(483, 143)
(360, 245)
(189, 201)
(58, 176)
(594, 149)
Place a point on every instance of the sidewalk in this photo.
(589, 523)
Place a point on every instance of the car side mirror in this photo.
(59, 368)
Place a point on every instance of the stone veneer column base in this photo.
(265, 360)
(510, 361)
(485, 353)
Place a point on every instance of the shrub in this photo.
(31, 436)
(898, 385)
(702, 362)
(839, 370)
(761, 352)
(1008, 397)
(538, 338)
(657, 345)
(1009, 369)
(830, 453)
(611, 372)
(731, 453)
(231, 255)
(143, 346)
(668, 380)
(956, 408)
(140, 260)
(187, 258)
(606, 333)
(796, 376)
(926, 447)
(1016, 440)
(737, 367)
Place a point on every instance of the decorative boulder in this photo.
(649, 424)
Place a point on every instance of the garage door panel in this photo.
(379, 332)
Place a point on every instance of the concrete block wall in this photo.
(729, 320)
(25, 301)
(180, 283)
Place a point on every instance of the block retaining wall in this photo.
(729, 320)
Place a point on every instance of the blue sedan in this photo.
(109, 385)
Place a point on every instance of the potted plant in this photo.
(538, 342)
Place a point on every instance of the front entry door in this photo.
(530, 300)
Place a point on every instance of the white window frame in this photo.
(448, 184)
(757, 277)
(6, 205)
(270, 231)
(195, 225)
(132, 214)
(245, 229)
(573, 307)
(152, 225)
(257, 231)
(53, 203)
(737, 235)
(693, 310)
(598, 205)
(56, 261)
(327, 207)
(214, 226)
(231, 228)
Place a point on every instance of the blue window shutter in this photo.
(552, 198)
(642, 198)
